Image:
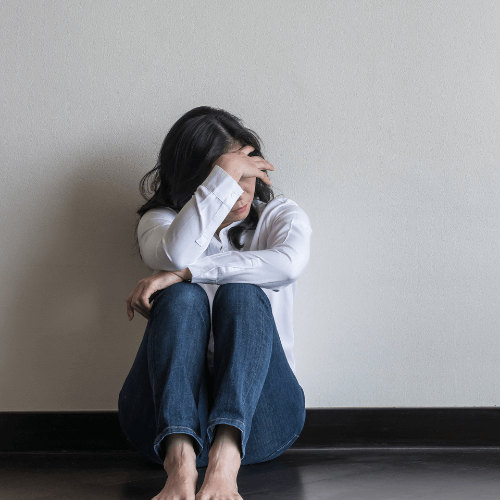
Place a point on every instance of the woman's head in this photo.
(190, 147)
(193, 143)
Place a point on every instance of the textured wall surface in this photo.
(382, 121)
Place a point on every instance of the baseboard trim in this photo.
(324, 427)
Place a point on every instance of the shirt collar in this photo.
(235, 223)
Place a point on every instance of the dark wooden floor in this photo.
(329, 473)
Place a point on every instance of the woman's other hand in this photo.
(147, 289)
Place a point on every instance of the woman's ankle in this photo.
(226, 445)
(180, 454)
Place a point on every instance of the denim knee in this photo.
(233, 291)
(180, 295)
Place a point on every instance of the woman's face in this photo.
(246, 198)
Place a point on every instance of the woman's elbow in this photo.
(297, 267)
(160, 262)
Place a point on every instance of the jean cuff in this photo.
(227, 421)
(176, 430)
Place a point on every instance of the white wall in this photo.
(382, 120)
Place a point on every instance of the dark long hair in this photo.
(191, 146)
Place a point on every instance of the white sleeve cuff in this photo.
(203, 271)
(224, 186)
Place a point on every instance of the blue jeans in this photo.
(169, 388)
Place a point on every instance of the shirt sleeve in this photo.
(281, 263)
(172, 241)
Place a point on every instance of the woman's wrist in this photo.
(184, 274)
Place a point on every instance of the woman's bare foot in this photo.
(224, 460)
(180, 466)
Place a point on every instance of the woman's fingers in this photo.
(265, 178)
(256, 167)
(140, 309)
(147, 290)
(136, 301)
(130, 311)
(246, 149)
(263, 164)
(144, 299)
(140, 302)
(268, 167)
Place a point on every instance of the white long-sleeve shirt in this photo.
(273, 257)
